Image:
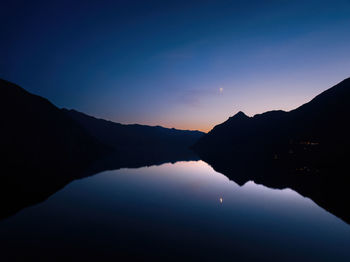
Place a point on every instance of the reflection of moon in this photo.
(221, 90)
(221, 199)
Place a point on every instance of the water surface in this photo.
(181, 211)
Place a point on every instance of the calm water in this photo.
(181, 211)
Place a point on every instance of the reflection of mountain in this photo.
(43, 148)
(22, 188)
(305, 149)
(332, 195)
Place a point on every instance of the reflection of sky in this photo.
(181, 202)
(180, 64)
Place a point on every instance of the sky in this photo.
(183, 64)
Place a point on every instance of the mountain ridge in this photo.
(330, 106)
(31, 126)
(121, 136)
(133, 124)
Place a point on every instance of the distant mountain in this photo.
(135, 137)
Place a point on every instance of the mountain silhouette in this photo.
(305, 149)
(321, 124)
(135, 137)
(35, 133)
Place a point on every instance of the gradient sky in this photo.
(184, 64)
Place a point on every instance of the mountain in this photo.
(35, 133)
(322, 125)
(135, 137)
(306, 149)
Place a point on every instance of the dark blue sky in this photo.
(184, 64)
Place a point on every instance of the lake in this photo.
(171, 212)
